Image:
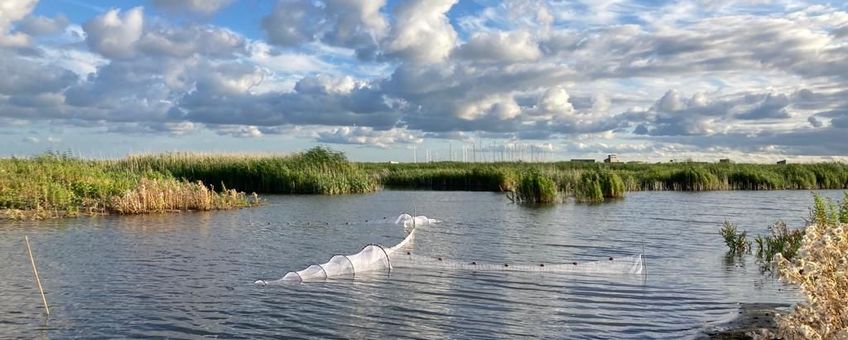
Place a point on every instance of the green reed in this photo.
(57, 185)
(316, 171)
(534, 188)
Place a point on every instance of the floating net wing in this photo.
(376, 258)
(621, 265)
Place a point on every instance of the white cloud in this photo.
(204, 7)
(114, 35)
(39, 25)
(422, 32)
(368, 136)
(506, 47)
(11, 12)
(692, 79)
(354, 24)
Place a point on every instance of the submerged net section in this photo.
(375, 258)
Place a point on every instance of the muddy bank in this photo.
(752, 318)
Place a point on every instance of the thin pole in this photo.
(37, 279)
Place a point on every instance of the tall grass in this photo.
(534, 188)
(316, 171)
(163, 195)
(634, 177)
(56, 185)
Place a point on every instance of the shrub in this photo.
(821, 271)
(737, 242)
(783, 241)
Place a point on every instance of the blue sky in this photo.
(754, 80)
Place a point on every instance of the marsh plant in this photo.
(57, 185)
(534, 188)
(685, 176)
(736, 241)
(780, 240)
(164, 195)
(318, 170)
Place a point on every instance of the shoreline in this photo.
(751, 318)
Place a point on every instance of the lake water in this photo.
(191, 275)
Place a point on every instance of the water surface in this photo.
(191, 275)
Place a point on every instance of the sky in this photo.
(405, 80)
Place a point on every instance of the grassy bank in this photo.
(53, 185)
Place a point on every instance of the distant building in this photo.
(781, 162)
(578, 160)
(611, 159)
(725, 160)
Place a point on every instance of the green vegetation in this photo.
(598, 182)
(54, 185)
(316, 171)
(534, 188)
(782, 240)
(736, 241)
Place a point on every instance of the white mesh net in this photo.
(622, 265)
(375, 258)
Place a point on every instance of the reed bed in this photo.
(55, 185)
(534, 188)
(597, 182)
(316, 171)
(165, 195)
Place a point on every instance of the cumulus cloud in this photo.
(183, 42)
(39, 25)
(11, 12)
(114, 34)
(204, 7)
(25, 77)
(504, 47)
(422, 32)
(673, 114)
(368, 136)
(381, 74)
(239, 131)
(355, 24)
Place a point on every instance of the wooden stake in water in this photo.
(37, 279)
